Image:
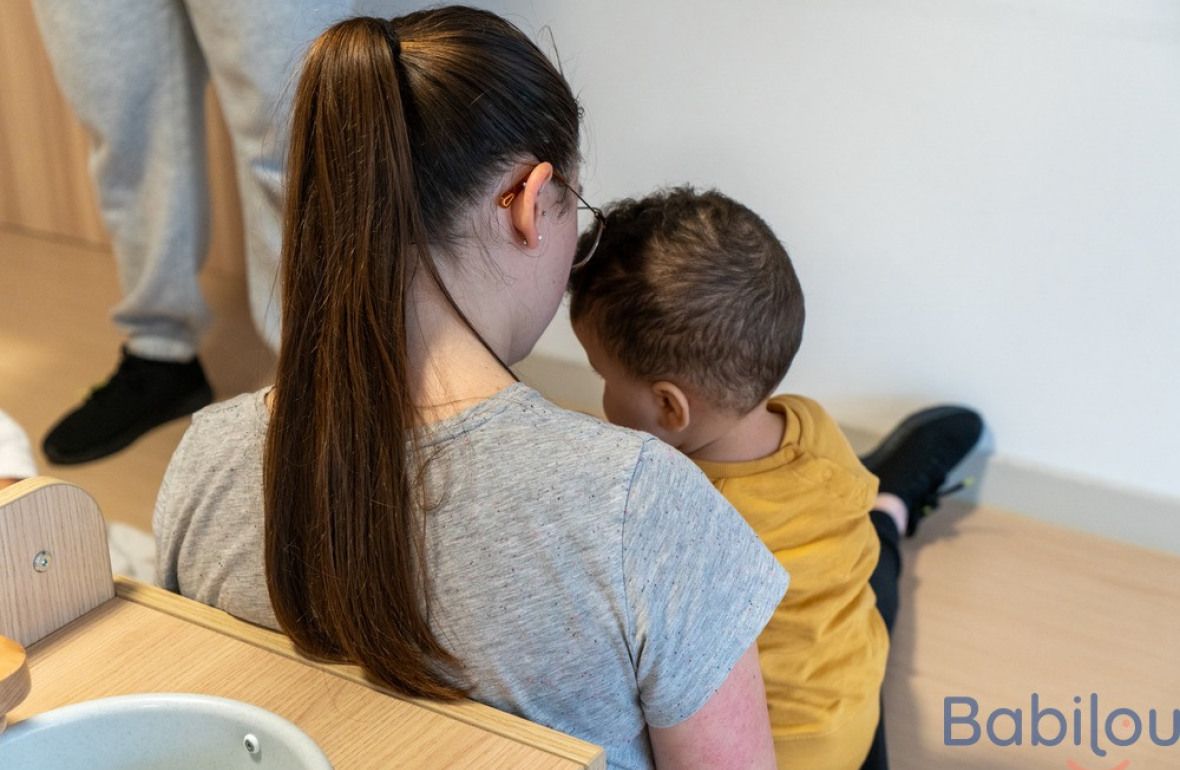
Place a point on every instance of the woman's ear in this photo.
(674, 414)
(524, 209)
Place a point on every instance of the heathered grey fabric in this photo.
(590, 577)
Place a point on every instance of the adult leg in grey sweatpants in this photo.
(135, 72)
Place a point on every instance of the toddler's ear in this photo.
(674, 414)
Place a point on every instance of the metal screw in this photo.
(251, 743)
(41, 561)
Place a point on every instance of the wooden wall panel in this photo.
(45, 186)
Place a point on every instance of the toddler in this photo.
(691, 312)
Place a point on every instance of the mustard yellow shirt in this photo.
(823, 652)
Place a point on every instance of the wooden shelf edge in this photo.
(23, 487)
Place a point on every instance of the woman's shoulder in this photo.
(650, 469)
(243, 410)
(527, 421)
(534, 444)
(224, 426)
(588, 437)
(224, 439)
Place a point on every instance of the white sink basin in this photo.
(159, 731)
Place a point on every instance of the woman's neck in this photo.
(450, 369)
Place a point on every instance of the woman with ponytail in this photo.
(398, 500)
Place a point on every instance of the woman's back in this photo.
(576, 569)
(568, 572)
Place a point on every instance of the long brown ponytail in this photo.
(389, 143)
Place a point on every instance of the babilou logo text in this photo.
(1087, 724)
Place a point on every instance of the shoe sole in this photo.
(907, 427)
(198, 400)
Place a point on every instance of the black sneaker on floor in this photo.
(913, 461)
(140, 395)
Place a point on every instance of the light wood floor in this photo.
(995, 606)
(56, 341)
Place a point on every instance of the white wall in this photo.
(982, 197)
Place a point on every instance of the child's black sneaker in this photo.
(140, 395)
(913, 461)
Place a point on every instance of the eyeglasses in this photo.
(599, 223)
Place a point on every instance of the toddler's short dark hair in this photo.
(693, 287)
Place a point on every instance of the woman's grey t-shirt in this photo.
(589, 577)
